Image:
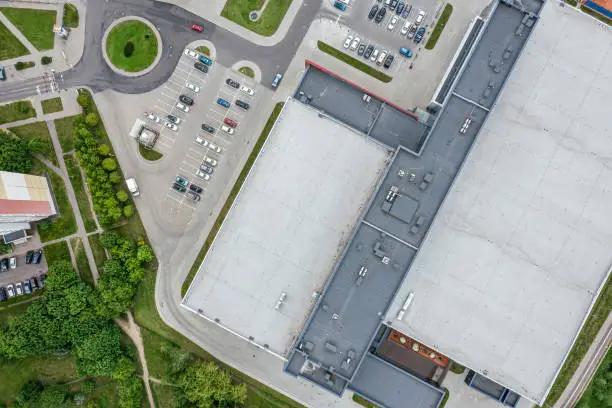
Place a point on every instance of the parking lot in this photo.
(199, 161)
(21, 272)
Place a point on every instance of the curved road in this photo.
(173, 25)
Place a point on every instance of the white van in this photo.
(132, 186)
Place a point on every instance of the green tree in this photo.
(53, 396)
(128, 210)
(83, 100)
(92, 120)
(114, 177)
(109, 164)
(98, 354)
(130, 392)
(29, 391)
(144, 253)
(88, 386)
(110, 239)
(15, 154)
(205, 385)
(61, 276)
(122, 196)
(103, 149)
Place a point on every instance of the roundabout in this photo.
(132, 46)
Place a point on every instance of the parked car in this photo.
(381, 57)
(27, 287)
(232, 83)
(206, 168)
(223, 102)
(43, 277)
(230, 122)
(171, 126)
(34, 283)
(419, 35)
(368, 51)
(191, 53)
(13, 262)
(374, 56)
(186, 100)
(355, 43)
(361, 49)
(192, 87)
(205, 143)
(182, 107)
(178, 187)
(208, 128)
(18, 289)
(182, 181)
(4, 265)
(392, 23)
(174, 119)
(276, 80)
(405, 28)
(202, 175)
(196, 27)
(400, 8)
(412, 31)
(373, 11)
(195, 188)
(211, 161)
(405, 52)
(340, 6)
(347, 41)
(201, 67)
(29, 256)
(204, 60)
(393, 4)
(10, 291)
(227, 129)
(380, 15)
(152, 117)
(406, 11)
(193, 196)
(247, 90)
(37, 256)
(3, 295)
(242, 104)
(2, 73)
(388, 61)
(420, 17)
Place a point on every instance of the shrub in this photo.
(23, 65)
(128, 50)
(92, 120)
(46, 60)
(114, 177)
(88, 386)
(109, 164)
(128, 210)
(122, 196)
(103, 149)
(83, 100)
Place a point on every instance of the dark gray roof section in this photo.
(14, 236)
(335, 340)
(389, 386)
(376, 118)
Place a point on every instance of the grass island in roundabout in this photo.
(132, 46)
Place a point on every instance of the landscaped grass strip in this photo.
(238, 11)
(52, 105)
(71, 16)
(57, 252)
(232, 196)
(149, 154)
(81, 194)
(65, 132)
(11, 46)
(15, 111)
(36, 25)
(40, 131)
(363, 67)
(435, 35)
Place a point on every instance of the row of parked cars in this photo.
(181, 184)
(25, 288)
(409, 29)
(11, 263)
(380, 57)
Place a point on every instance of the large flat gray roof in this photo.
(287, 227)
(523, 243)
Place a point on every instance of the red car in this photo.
(230, 122)
(196, 27)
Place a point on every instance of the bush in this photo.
(122, 196)
(20, 65)
(92, 120)
(128, 50)
(109, 164)
(128, 210)
(103, 149)
(46, 60)
(83, 100)
(88, 386)
(114, 177)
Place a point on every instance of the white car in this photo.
(171, 126)
(13, 262)
(191, 53)
(211, 161)
(381, 57)
(203, 142)
(406, 27)
(347, 42)
(202, 174)
(153, 117)
(19, 289)
(420, 17)
(227, 129)
(192, 87)
(10, 290)
(374, 55)
(182, 107)
(247, 90)
(355, 43)
(392, 23)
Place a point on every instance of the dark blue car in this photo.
(223, 102)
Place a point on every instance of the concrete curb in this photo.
(159, 45)
(250, 64)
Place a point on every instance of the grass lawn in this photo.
(78, 186)
(7, 312)
(71, 16)
(364, 402)
(572, 3)
(600, 389)
(232, 196)
(247, 71)
(11, 46)
(595, 14)
(64, 224)
(15, 373)
(456, 368)
(149, 154)
(238, 11)
(97, 249)
(37, 130)
(57, 252)
(65, 132)
(599, 313)
(12, 112)
(52, 105)
(363, 67)
(437, 31)
(81, 260)
(162, 394)
(202, 49)
(35, 25)
(143, 39)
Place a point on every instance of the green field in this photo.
(57, 252)
(74, 173)
(599, 393)
(238, 11)
(52, 105)
(37, 130)
(11, 46)
(437, 31)
(35, 25)
(143, 39)
(97, 249)
(71, 16)
(65, 132)
(149, 154)
(81, 260)
(14, 111)
(363, 67)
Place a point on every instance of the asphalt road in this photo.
(173, 25)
